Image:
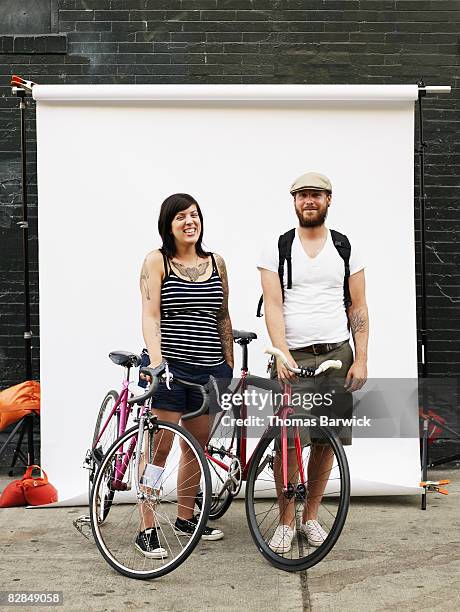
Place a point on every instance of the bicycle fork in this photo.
(290, 490)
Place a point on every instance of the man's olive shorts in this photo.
(322, 395)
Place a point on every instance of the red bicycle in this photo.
(287, 477)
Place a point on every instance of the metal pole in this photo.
(24, 225)
(422, 91)
(422, 200)
(27, 426)
(423, 330)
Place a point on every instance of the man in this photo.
(312, 325)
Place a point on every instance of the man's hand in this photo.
(356, 376)
(284, 375)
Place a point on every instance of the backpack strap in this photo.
(259, 306)
(284, 254)
(343, 246)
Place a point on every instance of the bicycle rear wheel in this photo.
(224, 467)
(101, 444)
(137, 507)
(266, 503)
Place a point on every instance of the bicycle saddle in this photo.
(243, 335)
(124, 358)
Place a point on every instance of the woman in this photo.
(185, 321)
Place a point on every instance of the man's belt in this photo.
(320, 349)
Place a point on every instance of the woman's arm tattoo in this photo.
(224, 324)
(145, 281)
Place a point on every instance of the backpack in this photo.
(341, 243)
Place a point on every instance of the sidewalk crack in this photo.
(306, 601)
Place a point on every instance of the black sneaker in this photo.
(148, 544)
(187, 528)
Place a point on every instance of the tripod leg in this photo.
(30, 439)
(17, 450)
(11, 436)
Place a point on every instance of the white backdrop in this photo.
(109, 155)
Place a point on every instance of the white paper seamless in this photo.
(109, 155)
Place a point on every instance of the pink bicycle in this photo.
(140, 476)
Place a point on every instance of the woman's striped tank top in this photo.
(189, 318)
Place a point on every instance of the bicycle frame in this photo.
(121, 405)
(241, 444)
(125, 410)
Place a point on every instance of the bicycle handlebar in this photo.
(335, 364)
(155, 374)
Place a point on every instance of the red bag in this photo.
(17, 401)
(29, 491)
(38, 491)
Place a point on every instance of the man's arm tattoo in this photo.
(145, 281)
(358, 322)
(158, 329)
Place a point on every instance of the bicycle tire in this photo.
(97, 526)
(226, 452)
(111, 396)
(218, 509)
(317, 554)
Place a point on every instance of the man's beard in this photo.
(312, 222)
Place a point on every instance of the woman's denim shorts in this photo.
(183, 399)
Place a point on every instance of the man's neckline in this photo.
(319, 252)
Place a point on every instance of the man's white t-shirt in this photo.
(313, 309)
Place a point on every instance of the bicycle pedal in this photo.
(82, 524)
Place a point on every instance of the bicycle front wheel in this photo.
(324, 494)
(142, 506)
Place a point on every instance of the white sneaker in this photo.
(314, 533)
(282, 539)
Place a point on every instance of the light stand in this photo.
(422, 91)
(22, 89)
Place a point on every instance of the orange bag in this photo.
(17, 401)
(38, 491)
(29, 491)
(13, 495)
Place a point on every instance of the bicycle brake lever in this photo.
(213, 386)
(168, 376)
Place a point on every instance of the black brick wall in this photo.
(244, 41)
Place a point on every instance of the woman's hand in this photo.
(146, 376)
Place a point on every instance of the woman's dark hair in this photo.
(171, 206)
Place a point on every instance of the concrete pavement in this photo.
(391, 555)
